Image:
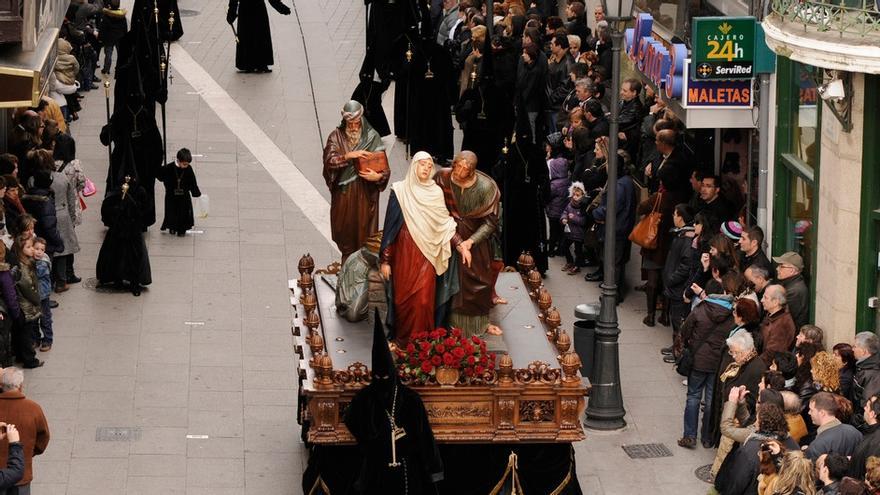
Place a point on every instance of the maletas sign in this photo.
(723, 48)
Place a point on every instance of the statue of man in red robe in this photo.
(354, 195)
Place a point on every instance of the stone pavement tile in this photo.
(216, 353)
(159, 394)
(99, 383)
(216, 378)
(217, 266)
(222, 400)
(216, 423)
(269, 345)
(58, 406)
(98, 473)
(164, 348)
(215, 448)
(216, 307)
(213, 490)
(257, 380)
(271, 438)
(215, 473)
(280, 397)
(157, 465)
(285, 363)
(166, 309)
(256, 327)
(53, 471)
(160, 440)
(49, 488)
(590, 485)
(163, 373)
(162, 416)
(224, 282)
(285, 483)
(216, 221)
(269, 414)
(145, 485)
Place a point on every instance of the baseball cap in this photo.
(790, 258)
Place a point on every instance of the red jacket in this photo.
(778, 332)
(28, 417)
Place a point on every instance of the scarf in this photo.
(733, 368)
(426, 216)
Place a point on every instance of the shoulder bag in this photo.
(646, 232)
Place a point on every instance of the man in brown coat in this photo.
(777, 329)
(28, 416)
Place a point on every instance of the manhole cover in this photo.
(93, 284)
(704, 473)
(188, 13)
(117, 434)
(646, 450)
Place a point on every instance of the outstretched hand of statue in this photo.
(465, 252)
(351, 155)
(385, 269)
(370, 175)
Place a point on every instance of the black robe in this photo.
(180, 188)
(123, 255)
(254, 48)
(367, 420)
(429, 118)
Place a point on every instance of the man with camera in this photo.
(25, 423)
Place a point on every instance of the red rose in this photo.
(436, 360)
(456, 332)
(435, 335)
(449, 342)
(425, 346)
(484, 360)
(427, 367)
(448, 359)
(471, 360)
(475, 339)
(478, 369)
(423, 355)
(458, 352)
(440, 348)
(413, 361)
(468, 348)
(410, 347)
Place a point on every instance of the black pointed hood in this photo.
(382, 361)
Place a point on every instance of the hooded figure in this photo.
(253, 47)
(416, 249)
(389, 422)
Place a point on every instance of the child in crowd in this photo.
(29, 301)
(574, 222)
(26, 226)
(44, 278)
(180, 183)
(559, 184)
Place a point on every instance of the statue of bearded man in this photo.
(354, 196)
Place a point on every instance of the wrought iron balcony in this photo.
(859, 17)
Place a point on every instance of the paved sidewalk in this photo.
(201, 366)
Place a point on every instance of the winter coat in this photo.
(577, 221)
(75, 175)
(739, 472)
(777, 333)
(530, 84)
(846, 382)
(834, 437)
(39, 204)
(866, 381)
(559, 184)
(450, 17)
(664, 232)
(558, 82)
(66, 65)
(113, 26)
(28, 417)
(626, 211)
(44, 278)
(28, 292)
(798, 296)
(677, 268)
(7, 292)
(66, 201)
(869, 446)
(706, 329)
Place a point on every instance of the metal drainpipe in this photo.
(763, 151)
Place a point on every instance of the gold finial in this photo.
(156, 11)
(107, 87)
(409, 52)
(504, 149)
(170, 20)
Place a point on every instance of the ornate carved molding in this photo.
(536, 411)
(356, 375)
(537, 372)
(457, 412)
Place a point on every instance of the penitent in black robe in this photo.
(180, 188)
(254, 48)
(123, 255)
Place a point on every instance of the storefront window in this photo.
(664, 12)
(797, 164)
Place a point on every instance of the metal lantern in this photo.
(617, 9)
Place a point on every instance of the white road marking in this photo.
(277, 164)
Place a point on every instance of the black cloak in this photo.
(123, 255)
(367, 418)
(180, 188)
(254, 48)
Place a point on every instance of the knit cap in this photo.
(732, 229)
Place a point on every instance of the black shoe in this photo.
(36, 363)
(73, 279)
(53, 304)
(649, 320)
(687, 442)
(136, 290)
(596, 276)
(663, 319)
(669, 359)
(666, 351)
(181, 233)
(94, 86)
(707, 444)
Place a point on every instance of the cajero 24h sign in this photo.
(723, 48)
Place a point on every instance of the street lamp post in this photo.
(605, 410)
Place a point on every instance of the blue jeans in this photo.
(45, 324)
(699, 383)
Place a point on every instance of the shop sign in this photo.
(717, 94)
(662, 63)
(723, 48)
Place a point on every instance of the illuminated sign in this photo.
(724, 48)
(662, 63)
(714, 94)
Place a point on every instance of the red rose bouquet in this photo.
(427, 351)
